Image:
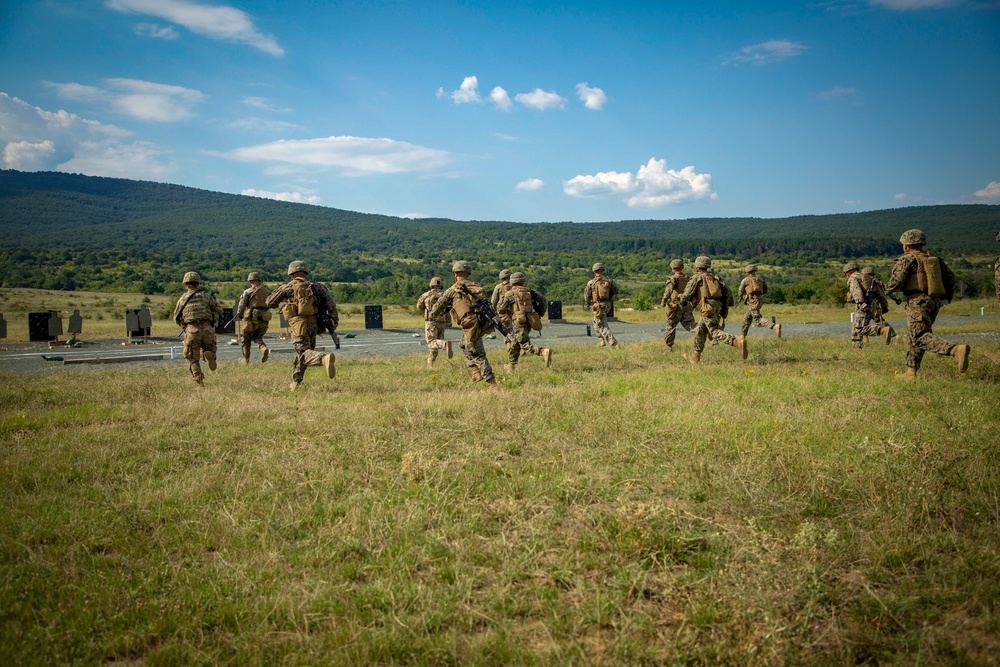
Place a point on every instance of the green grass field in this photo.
(802, 507)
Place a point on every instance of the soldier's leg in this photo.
(602, 327)
(687, 319)
(246, 338)
(670, 332)
(927, 340)
(747, 319)
(717, 333)
(209, 347)
(700, 335)
(857, 328)
(192, 352)
(475, 353)
(260, 328)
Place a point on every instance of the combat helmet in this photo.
(750, 268)
(192, 277)
(517, 278)
(913, 237)
(461, 266)
(504, 274)
(253, 276)
(702, 262)
(597, 267)
(676, 264)
(297, 266)
(868, 271)
(436, 282)
(850, 266)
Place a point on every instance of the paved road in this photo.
(30, 357)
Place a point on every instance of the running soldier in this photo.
(709, 293)
(676, 314)
(524, 307)
(197, 312)
(924, 280)
(253, 311)
(751, 290)
(434, 328)
(862, 323)
(305, 301)
(599, 296)
(464, 314)
(878, 304)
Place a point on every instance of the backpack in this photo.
(710, 287)
(755, 285)
(526, 308)
(302, 302)
(463, 310)
(602, 289)
(929, 276)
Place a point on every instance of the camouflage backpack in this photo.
(928, 277)
(602, 289)
(710, 287)
(755, 285)
(303, 301)
(525, 307)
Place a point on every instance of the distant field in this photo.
(622, 507)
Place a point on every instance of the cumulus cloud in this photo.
(156, 31)
(530, 185)
(353, 155)
(296, 197)
(541, 100)
(900, 196)
(592, 98)
(255, 124)
(652, 186)
(767, 52)
(501, 99)
(467, 93)
(991, 191)
(34, 139)
(212, 21)
(139, 99)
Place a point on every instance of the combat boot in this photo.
(616, 345)
(210, 358)
(328, 364)
(447, 348)
(741, 345)
(547, 356)
(777, 330)
(961, 354)
(430, 360)
(600, 342)
(492, 382)
(294, 385)
(476, 375)
(910, 374)
(694, 357)
(886, 333)
(670, 348)
(244, 361)
(508, 369)
(264, 352)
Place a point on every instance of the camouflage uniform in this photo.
(877, 303)
(521, 305)
(921, 307)
(601, 307)
(252, 310)
(861, 325)
(433, 328)
(499, 290)
(305, 328)
(754, 302)
(676, 314)
(712, 309)
(197, 311)
(462, 314)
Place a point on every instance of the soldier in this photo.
(709, 293)
(523, 306)
(434, 328)
(878, 305)
(463, 314)
(862, 323)
(304, 301)
(924, 281)
(995, 356)
(253, 311)
(671, 302)
(197, 312)
(599, 296)
(751, 290)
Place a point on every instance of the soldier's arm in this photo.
(328, 304)
(495, 297)
(899, 272)
(177, 311)
(214, 308)
(588, 292)
(542, 300)
(278, 295)
(242, 305)
(442, 304)
(691, 287)
(614, 287)
(857, 294)
(422, 303)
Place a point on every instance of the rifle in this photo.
(486, 313)
(324, 317)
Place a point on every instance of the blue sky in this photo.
(523, 111)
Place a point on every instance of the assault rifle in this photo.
(486, 313)
(324, 317)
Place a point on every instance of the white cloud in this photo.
(255, 124)
(156, 31)
(530, 185)
(991, 191)
(264, 104)
(296, 197)
(900, 197)
(838, 93)
(501, 99)
(592, 98)
(212, 21)
(768, 52)
(541, 100)
(37, 140)
(354, 155)
(651, 187)
(852, 202)
(139, 99)
(906, 5)
(467, 93)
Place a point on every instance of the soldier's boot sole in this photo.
(993, 356)
(886, 333)
(741, 345)
(264, 353)
(212, 363)
(777, 330)
(547, 356)
(669, 348)
(294, 385)
(694, 357)
(244, 361)
(329, 363)
(476, 375)
(447, 349)
(492, 383)
(961, 354)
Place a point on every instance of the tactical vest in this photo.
(196, 308)
(755, 285)
(256, 305)
(430, 298)
(680, 282)
(461, 303)
(711, 287)
(926, 278)
(602, 289)
(522, 303)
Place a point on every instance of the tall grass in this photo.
(804, 506)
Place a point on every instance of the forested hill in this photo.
(67, 230)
